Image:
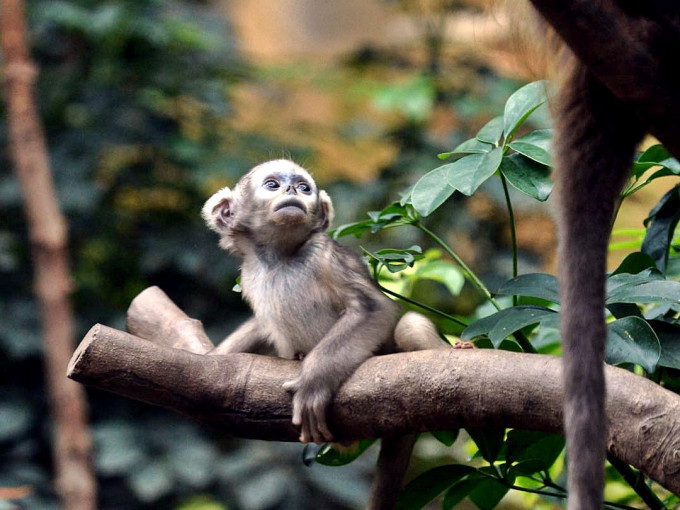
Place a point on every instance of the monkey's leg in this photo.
(395, 454)
(246, 338)
(415, 332)
(595, 136)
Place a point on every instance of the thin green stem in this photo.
(637, 483)
(524, 342)
(423, 306)
(467, 272)
(637, 185)
(521, 339)
(513, 231)
(561, 494)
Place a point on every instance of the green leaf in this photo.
(656, 155)
(521, 104)
(669, 338)
(529, 445)
(618, 281)
(460, 490)
(657, 291)
(356, 229)
(661, 224)
(621, 310)
(492, 131)
(504, 323)
(469, 173)
(120, 450)
(632, 340)
(441, 271)
(471, 146)
(489, 441)
(152, 481)
(538, 285)
(431, 191)
(634, 263)
(424, 488)
(334, 454)
(310, 451)
(527, 176)
(393, 214)
(526, 468)
(535, 146)
(488, 493)
(414, 99)
(446, 437)
(17, 420)
(394, 259)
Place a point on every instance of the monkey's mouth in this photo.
(290, 203)
(290, 211)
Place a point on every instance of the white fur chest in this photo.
(290, 305)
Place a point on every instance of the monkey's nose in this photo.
(290, 190)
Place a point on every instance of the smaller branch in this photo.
(153, 316)
(637, 482)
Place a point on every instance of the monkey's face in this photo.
(277, 203)
(284, 193)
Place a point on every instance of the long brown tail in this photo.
(595, 136)
(395, 453)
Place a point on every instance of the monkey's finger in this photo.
(314, 429)
(291, 386)
(325, 435)
(322, 432)
(306, 429)
(297, 414)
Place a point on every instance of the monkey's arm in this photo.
(248, 337)
(365, 326)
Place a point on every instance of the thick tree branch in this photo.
(241, 394)
(633, 55)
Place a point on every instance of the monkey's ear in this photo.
(326, 212)
(218, 210)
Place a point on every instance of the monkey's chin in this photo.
(289, 215)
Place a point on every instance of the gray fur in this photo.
(594, 146)
(595, 136)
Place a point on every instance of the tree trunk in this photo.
(75, 479)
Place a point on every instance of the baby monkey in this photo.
(312, 299)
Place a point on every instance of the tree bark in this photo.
(75, 479)
(241, 394)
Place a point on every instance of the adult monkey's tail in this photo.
(594, 140)
(632, 47)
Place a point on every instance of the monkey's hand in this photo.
(311, 400)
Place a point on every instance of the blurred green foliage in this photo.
(642, 301)
(137, 100)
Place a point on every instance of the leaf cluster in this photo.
(642, 298)
(136, 100)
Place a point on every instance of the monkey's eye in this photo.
(271, 184)
(304, 188)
